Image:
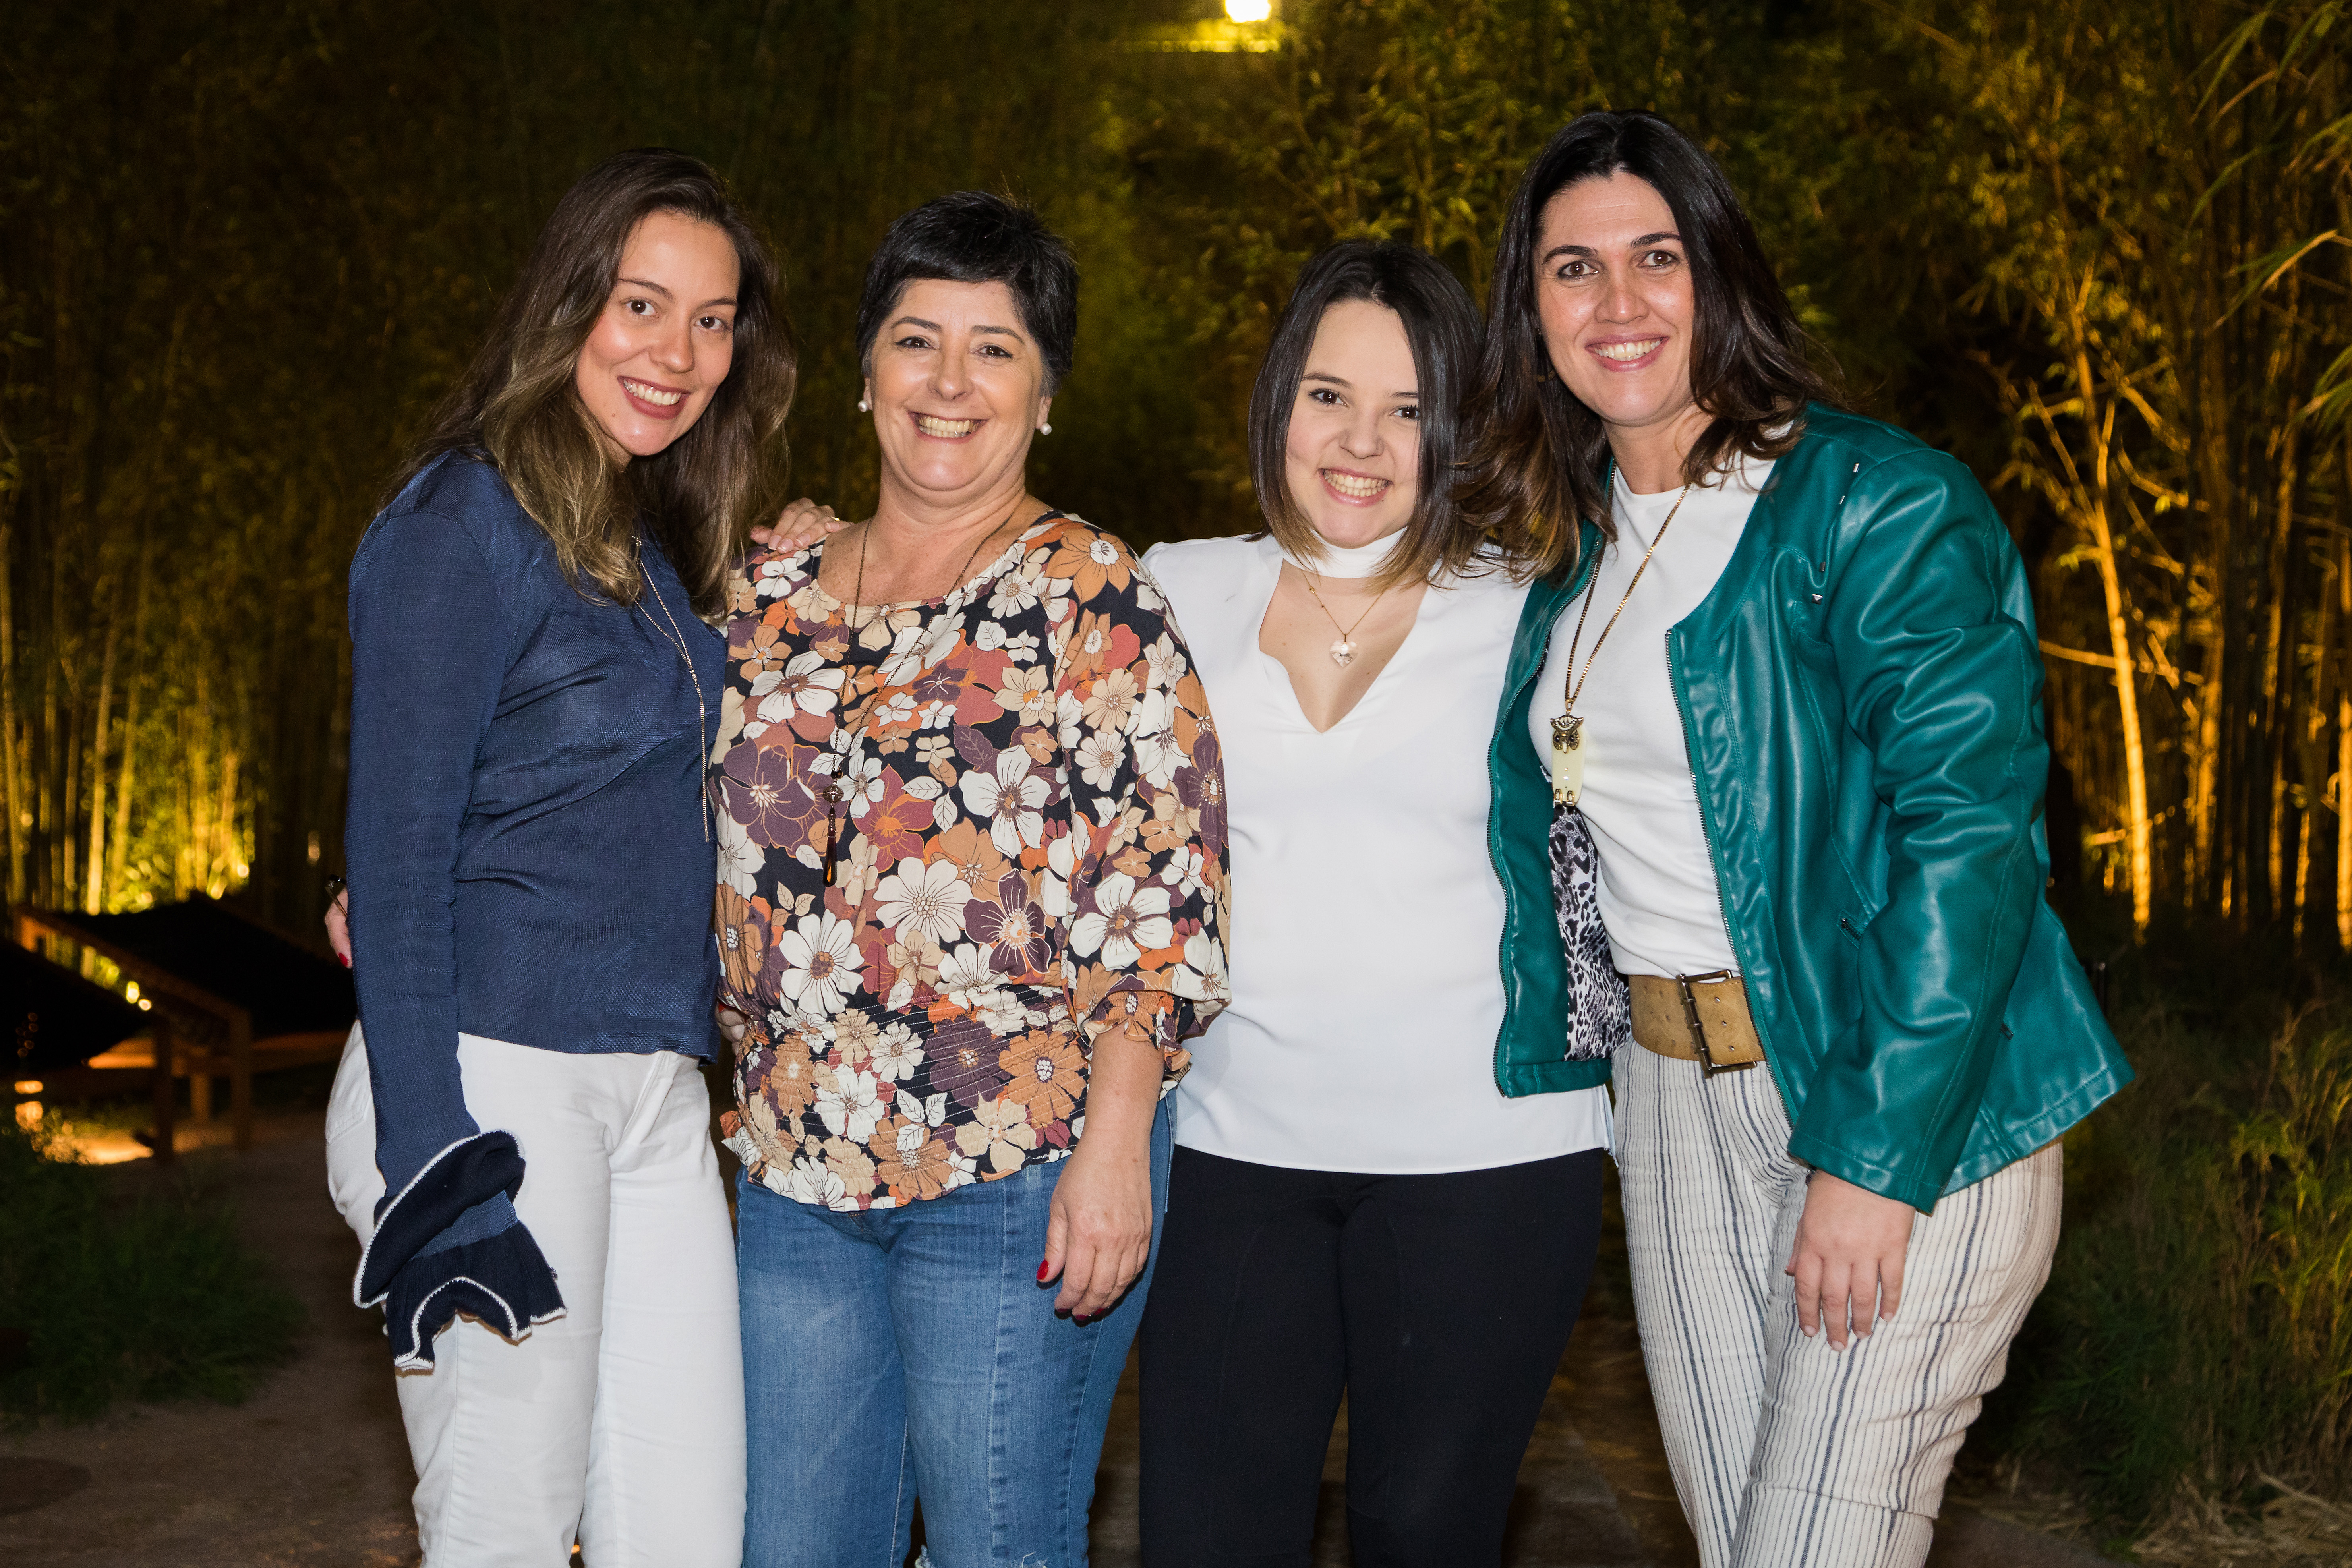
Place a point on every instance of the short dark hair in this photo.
(1542, 460)
(974, 236)
(1440, 323)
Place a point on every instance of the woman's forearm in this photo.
(1123, 1090)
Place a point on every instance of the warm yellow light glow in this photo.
(130, 992)
(28, 1086)
(146, 1005)
(1249, 10)
(28, 1114)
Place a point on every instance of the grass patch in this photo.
(152, 1297)
(2195, 1336)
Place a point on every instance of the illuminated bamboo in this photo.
(94, 882)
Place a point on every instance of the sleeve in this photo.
(1145, 814)
(1931, 627)
(428, 657)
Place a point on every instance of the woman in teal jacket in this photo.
(1779, 700)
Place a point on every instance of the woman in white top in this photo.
(1355, 1205)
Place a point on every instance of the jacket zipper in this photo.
(1715, 864)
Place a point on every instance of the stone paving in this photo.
(313, 1472)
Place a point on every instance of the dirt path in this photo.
(313, 1472)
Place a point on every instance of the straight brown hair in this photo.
(1441, 324)
(518, 403)
(1541, 459)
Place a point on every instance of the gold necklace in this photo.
(676, 639)
(1343, 647)
(857, 594)
(1567, 729)
(833, 795)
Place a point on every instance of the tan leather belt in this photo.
(1699, 1018)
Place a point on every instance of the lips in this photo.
(1356, 489)
(653, 401)
(1631, 354)
(946, 429)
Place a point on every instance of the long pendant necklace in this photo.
(833, 795)
(676, 639)
(1567, 729)
(1343, 647)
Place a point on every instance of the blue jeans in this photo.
(902, 1352)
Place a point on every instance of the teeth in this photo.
(1627, 352)
(949, 427)
(651, 394)
(1354, 485)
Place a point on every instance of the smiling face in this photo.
(1353, 460)
(666, 336)
(1614, 292)
(958, 387)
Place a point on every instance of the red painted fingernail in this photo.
(346, 958)
(1041, 1274)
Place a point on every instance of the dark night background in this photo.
(2100, 248)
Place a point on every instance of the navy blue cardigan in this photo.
(528, 858)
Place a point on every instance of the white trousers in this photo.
(1785, 1452)
(619, 1424)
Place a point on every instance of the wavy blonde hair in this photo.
(518, 403)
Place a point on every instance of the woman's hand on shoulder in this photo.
(1848, 1259)
(802, 524)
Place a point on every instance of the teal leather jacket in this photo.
(1861, 697)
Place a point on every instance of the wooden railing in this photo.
(200, 1061)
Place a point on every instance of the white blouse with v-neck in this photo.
(1366, 941)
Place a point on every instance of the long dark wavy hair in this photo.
(518, 402)
(1541, 460)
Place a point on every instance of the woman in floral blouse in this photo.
(971, 899)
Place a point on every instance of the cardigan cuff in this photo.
(502, 1280)
(485, 1168)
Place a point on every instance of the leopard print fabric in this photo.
(1600, 1006)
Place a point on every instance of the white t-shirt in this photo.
(1367, 915)
(1659, 902)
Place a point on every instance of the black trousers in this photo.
(1440, 1304)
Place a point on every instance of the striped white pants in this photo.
(1785, 1452)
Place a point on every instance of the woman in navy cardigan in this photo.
(521, 1139)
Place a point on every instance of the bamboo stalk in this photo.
(127, 775)
(93, 886)
(11, 747)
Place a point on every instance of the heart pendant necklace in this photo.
(1343, 647)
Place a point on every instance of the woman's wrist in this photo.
(1122, 1090)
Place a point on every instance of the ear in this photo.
(1044, 412)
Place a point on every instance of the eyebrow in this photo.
(650, 286)
(935, 327)
(1330, 379)
(1588, 250)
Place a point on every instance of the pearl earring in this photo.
(864, 406)
(1045, 429)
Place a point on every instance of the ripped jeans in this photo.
(898, 1352)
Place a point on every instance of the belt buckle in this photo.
(1707, 1065)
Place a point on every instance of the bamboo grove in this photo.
(2100, 248)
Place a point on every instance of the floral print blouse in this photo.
(958, 838)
